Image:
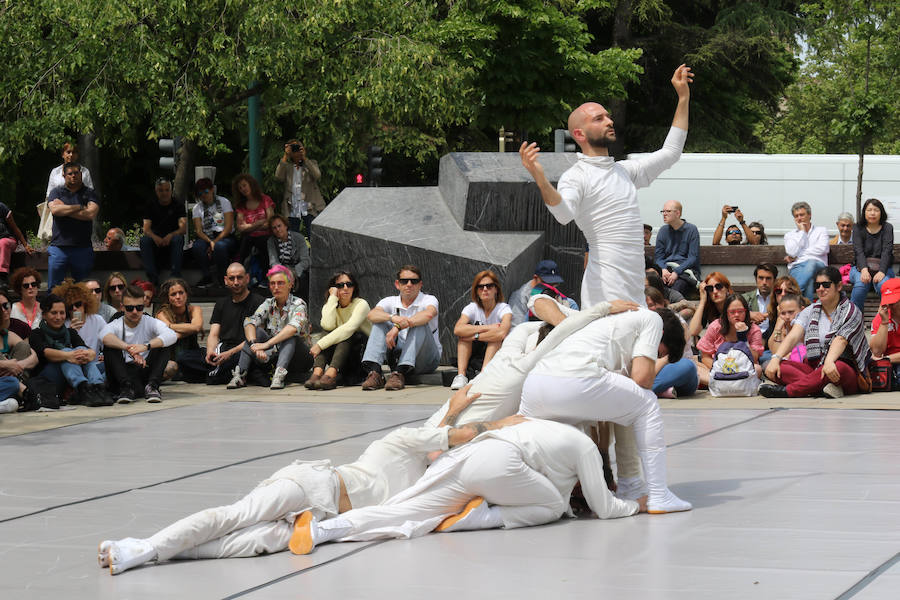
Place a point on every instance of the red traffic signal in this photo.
(359, 179)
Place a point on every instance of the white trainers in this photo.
(667, 503)
(278, 379)
(459, 382)
(10, 405)
(833, 390)
(630, 488)
(238, 379)
(128, 553)
(476, 515)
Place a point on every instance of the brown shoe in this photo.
(326, 383)
(374, 381)
(395, 381)
(312, 381)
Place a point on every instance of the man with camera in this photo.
(678, 249)
(733, 236)
(301, 200)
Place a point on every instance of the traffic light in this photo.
(563, 142)
(169, 147)
(359, 179)
(374, 165)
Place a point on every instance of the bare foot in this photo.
(642, 503)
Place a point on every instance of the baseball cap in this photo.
(890, 291)
(549, 272)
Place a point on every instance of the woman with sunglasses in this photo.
(113, 293)
(345, 319)
(481, 329)
(287, 247)
(16, 356)
(713, 292)
(873, 246)
(81, 315)
(26, 282)
(186, 358)
(837, 351)
(274, 332)
(734, 325)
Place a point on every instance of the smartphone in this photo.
(78, 315)
(732, 209)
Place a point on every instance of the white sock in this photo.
(128, 553)
(329, 529)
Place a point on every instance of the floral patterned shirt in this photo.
(273, 320)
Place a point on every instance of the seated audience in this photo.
(404, 333)
(713, 292)
(213, 225)
(277, 332)
(186, 357)
(789, 306)
(81, 315)
(164, 228)
(115, 241)
(757, 229)
(678, 379)
(16, 356)
(253, 209)
(837, 351)
(149, 293)
(26, 282)
(226, 326)
(733, 236)
(345, 319)
(758, 299)
(545, 280)
(874, 252)
(10, 238)
(674, 300)
(63, 357)
(733, 325)
(287, 247)
(113, 291)
(677, 251)
(806, 248)
(134, 350)
(845, 230)
(885, 340)
(481, 329)
(648, 231)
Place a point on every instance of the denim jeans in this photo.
(62, 373)
(860, 289)
(154, 256)
(681, 375)
(282, 352)
(9, 387)
(61, 258)
(222, 254)
(805, 273)
(418, 351)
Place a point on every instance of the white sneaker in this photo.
(459, 382)
(129, 553)
(833, 390)
(476, 515)
(10, 405)
(103, 553)
(238, 379)
(278, 379)
(630, 488)
(667, 503)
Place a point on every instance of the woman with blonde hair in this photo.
(113, 291)
(482, 327)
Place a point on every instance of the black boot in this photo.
(773, 390)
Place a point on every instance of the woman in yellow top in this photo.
(344, 318)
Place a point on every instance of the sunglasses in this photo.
(412, 280)
(96, 290)
(77, 304)
(718, 287)
(4, 306)
(343, 284)
(117, 287)
(756, 231)
(133, 307)
(30, 284)
(779, 292)
(824, 284)
(734, 231)
(486, 286)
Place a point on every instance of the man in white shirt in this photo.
(806, 247)
(404, 333)
(600, 195)
(133, 350)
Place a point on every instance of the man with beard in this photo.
(600, 194)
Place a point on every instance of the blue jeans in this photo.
(860, 289)
(418, 351)
(60, 258)
(681, 375)
(805, 273)
(62, 373)
(9, 387)
(222, 254)
(153, 255)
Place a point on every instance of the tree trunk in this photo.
(89, 156)
(184, 171)
(621, 38)
(859, 180)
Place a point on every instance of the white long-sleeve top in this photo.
(807, 245)
(600, 195)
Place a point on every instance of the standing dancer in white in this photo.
(600, 194)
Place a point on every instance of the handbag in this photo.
(881, 374)
(45, 228)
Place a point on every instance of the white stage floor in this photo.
(788, 504)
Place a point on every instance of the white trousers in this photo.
(255, 524)
(606, 397)
(490, 468)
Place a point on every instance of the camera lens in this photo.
(295, 147)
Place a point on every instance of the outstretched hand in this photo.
(529, 154)
(619, 306)
(681, 81)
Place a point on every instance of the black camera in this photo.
(296, 147)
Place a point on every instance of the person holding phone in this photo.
(733, 236)
(301, 200)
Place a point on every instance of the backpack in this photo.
(733, 372)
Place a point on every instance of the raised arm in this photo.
(529, 154)
(681, 80)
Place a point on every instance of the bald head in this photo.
(671, 212)
(591, 126)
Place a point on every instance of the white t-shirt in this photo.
(609, 344)
(211, 218)
(299, 207)
(147, 329)
(91, 330)
(476, 315)
(392, 306)
(805, 317)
